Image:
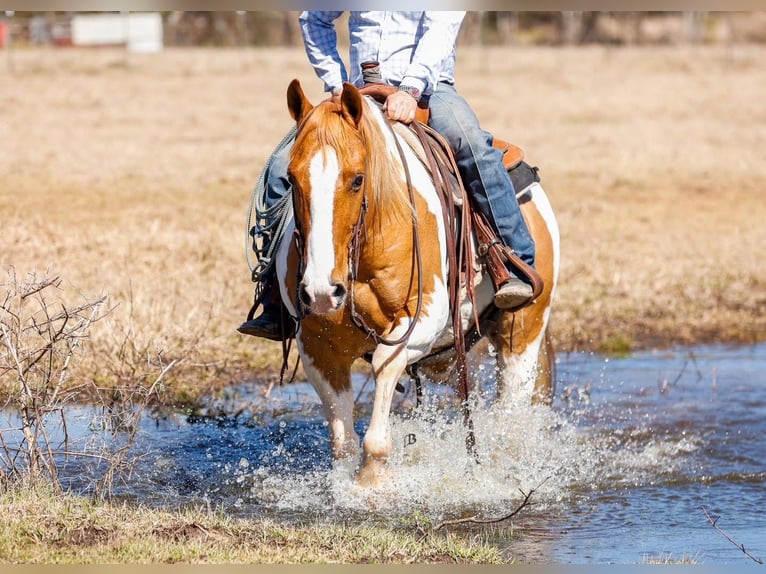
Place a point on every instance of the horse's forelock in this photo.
(326, 128)
(323, 128)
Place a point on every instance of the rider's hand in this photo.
(401, 106)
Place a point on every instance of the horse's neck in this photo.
(391, 201)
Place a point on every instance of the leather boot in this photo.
(513, 293)
(274, 322)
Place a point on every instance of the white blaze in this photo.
(320, 260)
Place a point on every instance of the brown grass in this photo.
(131, 175)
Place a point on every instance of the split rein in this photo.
(354, 255)
(355, 251)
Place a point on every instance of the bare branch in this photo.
(41, 286)
(476, 520)
(75, 454)
(118, 457)
(83, 326)
(38, 340)
(714, 523)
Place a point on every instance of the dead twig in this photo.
(691, 357)
(118, 459)
(39, 340)
(476, 520)
(714, 523)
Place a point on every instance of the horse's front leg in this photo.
(338, 402)
(388, 364)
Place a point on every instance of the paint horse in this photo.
(357, 229)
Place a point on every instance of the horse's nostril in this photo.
(340, 291)
(304, 296)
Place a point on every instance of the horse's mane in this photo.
(383, 178)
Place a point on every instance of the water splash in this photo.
(519, 447)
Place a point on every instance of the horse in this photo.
(357, 226)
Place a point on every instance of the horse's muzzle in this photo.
(321, 302)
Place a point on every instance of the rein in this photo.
(355, 251)
(456, 262)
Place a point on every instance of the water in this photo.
(620, 468)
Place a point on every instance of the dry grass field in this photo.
(130, 175)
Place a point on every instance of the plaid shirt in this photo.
(416, 49)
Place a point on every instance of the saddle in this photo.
(522, 174)
(436, 155)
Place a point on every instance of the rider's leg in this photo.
(269, 323)
(486, 179)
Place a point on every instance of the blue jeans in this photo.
(481, 168)
(480, 164)
(277, 184)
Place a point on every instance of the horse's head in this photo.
(327, 172)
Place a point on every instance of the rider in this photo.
(416, 52)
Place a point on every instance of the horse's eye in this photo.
(356, 183)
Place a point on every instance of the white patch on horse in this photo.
(434, 317)
(388, 364)
(518, 372)
(324, 170)
(434, 320)
(540, 199)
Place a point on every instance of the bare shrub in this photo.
(40, 339)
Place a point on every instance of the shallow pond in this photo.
(621, 466)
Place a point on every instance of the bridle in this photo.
(354, 254)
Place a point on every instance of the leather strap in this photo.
(458, 259)
(496, 257)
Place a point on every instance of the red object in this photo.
(3, 34)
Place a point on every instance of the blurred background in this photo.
(151, 31)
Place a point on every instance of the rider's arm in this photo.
(440, 31)
(321, 42)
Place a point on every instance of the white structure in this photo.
(140, 32)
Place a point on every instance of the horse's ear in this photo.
(297, 102)
(351, 104)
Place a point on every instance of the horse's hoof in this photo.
(373, 474)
